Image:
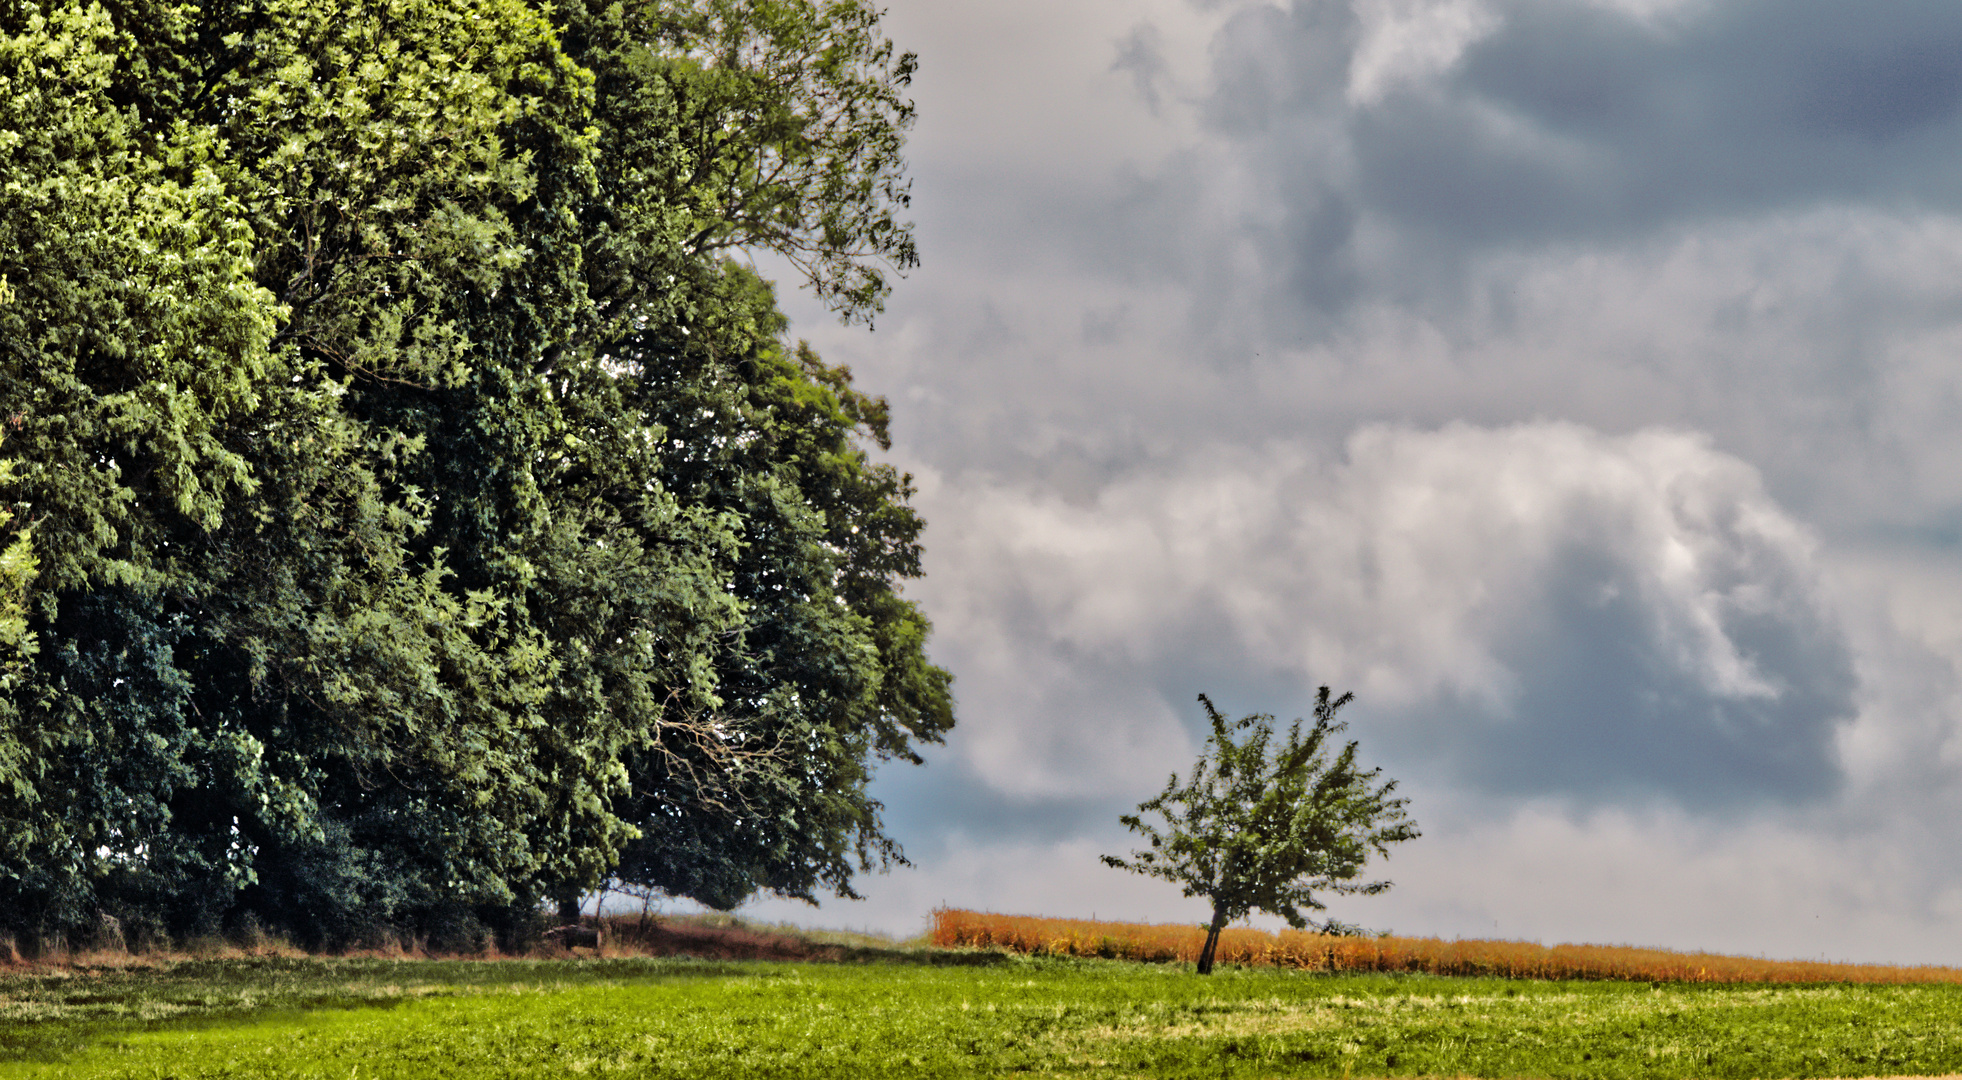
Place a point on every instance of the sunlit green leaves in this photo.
(756, 124)
(366, 579)
(1260, 826)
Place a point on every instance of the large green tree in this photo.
(828, 672)
(132, 335)
(376, 585)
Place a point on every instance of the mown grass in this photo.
(919, 1015)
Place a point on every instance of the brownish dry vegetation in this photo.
(953, 928)
(704, 937)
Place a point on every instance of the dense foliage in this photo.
(416, 517)
(1263, 827)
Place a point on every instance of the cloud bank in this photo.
(1573, 379)
(1535, 609)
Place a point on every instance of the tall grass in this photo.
(705, 936)
(954, 928)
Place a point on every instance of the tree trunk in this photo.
(1212, 940)
(569, 910)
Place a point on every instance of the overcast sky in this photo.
(1577, 381)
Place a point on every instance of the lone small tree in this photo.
(1258, 831)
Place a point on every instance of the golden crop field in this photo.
(953, 927)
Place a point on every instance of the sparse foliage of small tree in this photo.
(1260, 830)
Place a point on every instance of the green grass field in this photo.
(937, 1015)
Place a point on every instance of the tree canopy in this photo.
(1263, 827)
(415, 515)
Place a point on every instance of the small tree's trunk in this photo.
(1212, 940)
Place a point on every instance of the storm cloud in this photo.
(1473, 125)
(1536, 609)
(1572, 379)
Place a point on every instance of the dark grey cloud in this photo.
(1140, 54)
(948, 803)
(1655, 638)
(1742, 108)
(1531, 610)
(1729, 80)
(1534, 368)
(1759, 190)
(1606, 713)
(1574, 122)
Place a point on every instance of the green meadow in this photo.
(937, 1014)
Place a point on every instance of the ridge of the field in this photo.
(705, 936)
(1167, 942)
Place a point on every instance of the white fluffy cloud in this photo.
(1574, 379)
(1539, 599)
(1404, 42)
